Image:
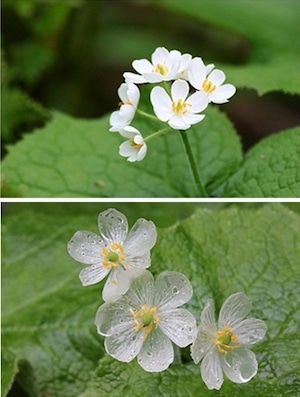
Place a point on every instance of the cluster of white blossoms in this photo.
(178, 103)
(142, 317)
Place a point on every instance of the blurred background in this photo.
(70, 55)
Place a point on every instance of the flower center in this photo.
(136, 146)
(161, 69)
(112, 255)
(208, 86)
(145, 319)
(226, 340)
(127, 102)
(179, 107)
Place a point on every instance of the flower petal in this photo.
(201, 345)
(179, 90)
(179, 325)
(161, 103)
(142, 66)
(207, 319)
(134, 78)
(178, 122)
(92, 274)
(250, 331)
(198, 102)
(85, 247)
(217, 77)
(193, 118)
(172, 290)
(116, 284)
(160, 55)
(211, 371)
(113, 317)
(113, 226)
(239, 365)
(222, 93)
(141, 289)
(157, 352)
(234, 309)
(141, 238)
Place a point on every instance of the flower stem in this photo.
(196, 177)
(145, 114)
(157, 133)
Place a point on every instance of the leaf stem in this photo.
(193, 165)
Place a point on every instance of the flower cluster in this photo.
(142, 317)
(175, 75)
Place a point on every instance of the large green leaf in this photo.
(79, 158)
(270, 27)
(47, 316)
(270, 169)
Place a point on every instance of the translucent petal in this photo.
(157, 352)
(162, 103)
(125, 345)
(201, 345)
(141, 238)
(142, 66)
(211, 371)
(250, 331)
(179, 90)
(217, 77)
(85, 247)
(113, 317)
(198, 102)
(239, 365)
(207, 319)
(92, 274)
(139, 262)
(141, 290)
(223, 93)
(234, 309)
(172, 289)
(116, 285)
(113, 226)
(179, 325)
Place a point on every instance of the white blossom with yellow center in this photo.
(164, 66)
(135, 147)
(130, 96)
(223, 346)
(115, 252)
(179, 110)
(145, 321)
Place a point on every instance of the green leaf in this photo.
(274, 54)
(270, 169)
(79, 158)
(48, 316)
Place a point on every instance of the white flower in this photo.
(179, 111)
(223, 346)
(114, 252)
(164, 67)
(210, 81)
(130, 96)
(135, 148)
(146, 320)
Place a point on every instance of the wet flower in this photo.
(130, 96)
(163, 67)
(114, 252)
(135, 147)
(147, 319)
(179, 110)
(223, 346)
(210, 81)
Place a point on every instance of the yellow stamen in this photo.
(127, 102)
(208, 86)
(112, 255)
(145, 319)
(136, 146)
(226, 340)
(161, 69)
(180, 107)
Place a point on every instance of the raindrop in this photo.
(149, 354)
(175, 290)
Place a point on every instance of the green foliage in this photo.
(47, 318)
